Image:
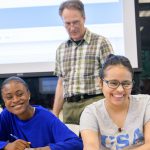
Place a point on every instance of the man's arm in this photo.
(59, 99)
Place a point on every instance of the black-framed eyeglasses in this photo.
(113, 84)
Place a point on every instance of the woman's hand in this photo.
(17, 145)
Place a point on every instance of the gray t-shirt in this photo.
(96, 118)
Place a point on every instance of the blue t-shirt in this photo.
(43, 129)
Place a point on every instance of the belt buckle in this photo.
(67, 99)
(81, 96)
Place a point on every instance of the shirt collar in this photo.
(86, 38)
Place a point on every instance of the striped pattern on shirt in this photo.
(79, 65)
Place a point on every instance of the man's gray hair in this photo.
(72, 4)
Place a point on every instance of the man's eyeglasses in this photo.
(113, 84)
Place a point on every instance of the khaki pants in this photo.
(72, 110)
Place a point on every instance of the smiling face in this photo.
(16, 97)
(117, 96)
(74, 23)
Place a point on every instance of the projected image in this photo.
(30, 32)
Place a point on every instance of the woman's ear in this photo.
(29, 94)
(100, 83)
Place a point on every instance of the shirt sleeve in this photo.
(88, 119)
(57, 70)
(64, 138)
(105, 49)
(58, 60)
(147, 110)
(3, 133)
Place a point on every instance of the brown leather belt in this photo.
(76, 98)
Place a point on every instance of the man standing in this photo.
(78, 61)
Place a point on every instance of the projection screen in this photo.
(30, 32)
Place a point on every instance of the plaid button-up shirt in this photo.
(79, 65)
